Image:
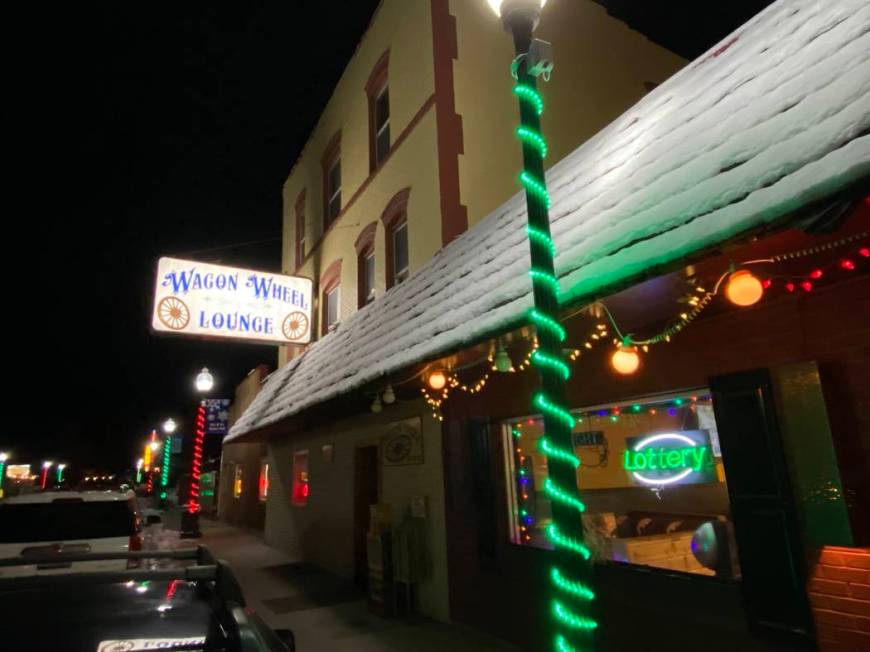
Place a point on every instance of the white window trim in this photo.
(400, 275)
(337, 291)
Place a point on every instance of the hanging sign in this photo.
(193, 298)
(669, 458)
(217, 415)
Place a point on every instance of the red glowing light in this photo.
(864, 251)
(806, 286)
(847, 264)
(816, 273)
(766, 283)
(789, 286)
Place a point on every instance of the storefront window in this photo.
(652, 479)
(237, 481)
(263, 484)
(300, 478)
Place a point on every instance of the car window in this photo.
(65, 521)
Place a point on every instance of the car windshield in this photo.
(65, 521)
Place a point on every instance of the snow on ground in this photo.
(771, 119)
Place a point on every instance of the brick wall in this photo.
(839, 590)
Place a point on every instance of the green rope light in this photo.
(565, 498)
(547, 448)
(553, 410)
(568, 543)
(565, 532)
(545, 278)
(563, 646)
(544, 322)
(534, 139)
(535, 188)
(538, 236)
(544, 360)
(577, 589)
(528, 94)
(571, 620)
(164, 476)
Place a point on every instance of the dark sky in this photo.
(136, 130)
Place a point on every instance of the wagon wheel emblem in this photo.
(295, 326)
(173, 313)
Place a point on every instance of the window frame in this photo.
(365, 249)
(395, 216)
(376, 86)
(299, 497)
(402, 274)
(330, 280)
(300, 228)
(331, 159)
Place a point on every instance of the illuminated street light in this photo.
(204, 381)
(60, 468)
(169, 426)
(43, 480)
(572, 628)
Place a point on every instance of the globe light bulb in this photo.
(204, 381)
(389, 395)
(503, 361)
(169, 426)
(625, 360)
(743, 288)
(376, 405)
(437, 380)
(500, 7)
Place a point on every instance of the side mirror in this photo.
(153, 519)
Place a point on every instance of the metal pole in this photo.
(570, 573)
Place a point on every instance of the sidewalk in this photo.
(325, 612)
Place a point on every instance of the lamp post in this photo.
(60, 468)
(570, 593)
(139, 464)
(43, 480)
(169, 427)
(190, 516)
(3, 458)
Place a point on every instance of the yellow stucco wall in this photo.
(601, 67)
(403, 27)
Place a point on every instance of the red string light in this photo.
(864, 251)
(196, 467)
(789, 286)
(816, 273)
(806, 286)
(847, 264)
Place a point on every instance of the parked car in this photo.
(45, 526)
(197, 605)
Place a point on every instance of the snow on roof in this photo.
(771, 119)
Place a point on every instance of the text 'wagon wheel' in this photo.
(173, 313)
(295, 326)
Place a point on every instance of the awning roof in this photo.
(775, 117)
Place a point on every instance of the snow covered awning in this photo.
(775, 117)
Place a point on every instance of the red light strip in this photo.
(196, 468)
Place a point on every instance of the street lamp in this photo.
(139, 464)
(169, 426)
(60, 468)
(204, 381)
(3, 458)
(190, 516)
(569, 576)
(43, 481)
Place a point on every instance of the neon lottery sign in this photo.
(670, 458)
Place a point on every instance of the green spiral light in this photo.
(570, 596)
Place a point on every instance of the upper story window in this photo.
(300, 228)
(332, 181)
(330, 297)
(399, 238)
(395, 219)
(365, 252)
(378, 92)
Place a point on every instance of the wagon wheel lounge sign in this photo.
(193, 298)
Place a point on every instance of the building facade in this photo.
(725, 480)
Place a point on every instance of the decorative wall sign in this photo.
(217, 415)
(403, 442)
(194, 298)
(670, 458)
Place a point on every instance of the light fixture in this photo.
(154, 445)
(505, 8)
(204, 381)
(47, 464)
(169, 426)
(389, 396)
(437, 380)
(503, 361)
(743, 288)
(625, 360)
(376, 404)
(3, 457)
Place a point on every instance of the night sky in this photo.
(140, 130)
